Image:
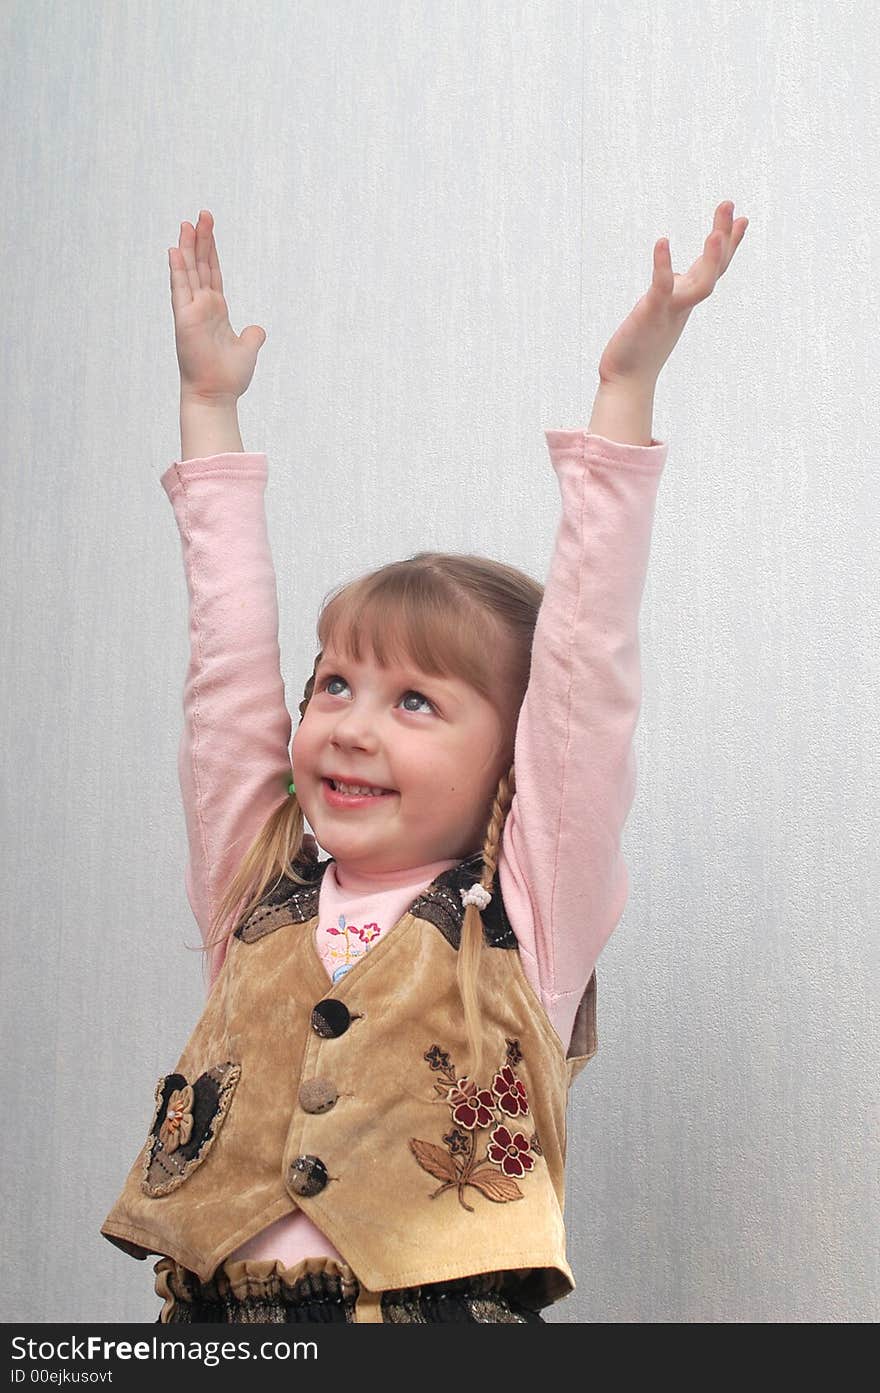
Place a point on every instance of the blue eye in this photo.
(334, 677)
(421, 697)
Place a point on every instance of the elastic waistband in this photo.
(315, 1288)
(254, 1290)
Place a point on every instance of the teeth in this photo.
(355, 788)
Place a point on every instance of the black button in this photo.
(317, 1095)
(307, 1175)
(330, 1018)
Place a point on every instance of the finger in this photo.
(181, 294)
(706, 269)
(736, 236)
(663, 279)
(699, 281)
(733, 232)
(701, 276)
(722, 223)
(214, 260)
(731, 242)
(203, 239)
(187, 251)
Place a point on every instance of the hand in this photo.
(645, 339)
(216, 364)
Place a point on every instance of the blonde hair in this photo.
(451, 614)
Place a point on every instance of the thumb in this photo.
(254, 335)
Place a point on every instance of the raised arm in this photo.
(561, 867)
(233, 759)
(562, 872)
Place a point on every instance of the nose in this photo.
(354, 730)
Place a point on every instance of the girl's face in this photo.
(436, 742)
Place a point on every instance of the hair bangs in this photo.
(405, 615)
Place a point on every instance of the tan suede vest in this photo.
(347, 1100)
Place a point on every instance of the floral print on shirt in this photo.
(341, 957)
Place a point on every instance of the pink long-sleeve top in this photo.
(562, 875)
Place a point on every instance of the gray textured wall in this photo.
(439, 212)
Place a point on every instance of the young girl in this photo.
(368, 1122)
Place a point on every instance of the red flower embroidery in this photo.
(471, 1107)
(510, 1092)
(507, 1153)
(510, 1152)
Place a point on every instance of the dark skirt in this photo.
(320, 1289)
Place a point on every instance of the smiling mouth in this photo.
(332, 785)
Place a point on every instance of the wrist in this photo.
(623, 410)
(208, 426)
(214, 401)
(640, 386)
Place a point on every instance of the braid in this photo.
(471, 945)
(500, 808)
(309, 688)
(308, 845)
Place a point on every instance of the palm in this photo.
(214, 361)
(208, 348)
(647, 336)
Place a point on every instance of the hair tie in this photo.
(291, 788)
(477, 894)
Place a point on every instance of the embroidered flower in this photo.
(178, 1122)
(471, 1106)
(462, 1165)
(510, 1151)
(437, 1058)
(514, 1053)
(510, 1092)
(536, 1145)
(456, 1141)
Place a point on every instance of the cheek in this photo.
(461, 784)
(440, 770)
(304, 747)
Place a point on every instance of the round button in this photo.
(317, 1095)
(307, 1175)
(330, 1018)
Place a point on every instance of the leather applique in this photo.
(185, 1124)
(441, 905)
(509, 1153)
(286, 903)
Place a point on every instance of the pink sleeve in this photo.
(562, 874)
(233, 758)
